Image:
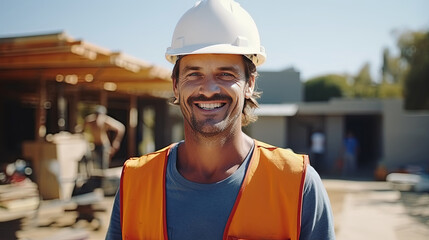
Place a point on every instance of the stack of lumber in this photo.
(19, 196)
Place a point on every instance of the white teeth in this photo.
(209, 106)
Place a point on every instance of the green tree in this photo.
(393, 73)
(389, 90)
(414, 48)
(394, 68)
(363, 86)
(325, 87)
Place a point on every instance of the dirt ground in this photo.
(56, 221)
(374, 210)
(362, 210)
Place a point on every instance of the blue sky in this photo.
(313, 36)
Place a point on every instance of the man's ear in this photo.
(250, 87)
(175, 100)
(176, 92)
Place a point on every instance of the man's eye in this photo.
(226, 76)
(193, 75)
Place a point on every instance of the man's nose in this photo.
(209, 86)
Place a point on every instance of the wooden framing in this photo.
(56, 65)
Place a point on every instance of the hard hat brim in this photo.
(257, 56)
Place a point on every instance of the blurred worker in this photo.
(350, 152)
(317, 149)
(219, 183)
(98, 125)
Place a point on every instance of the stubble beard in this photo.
(211, 128)
(208, 128)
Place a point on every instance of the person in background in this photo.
(98, 125)
(350, 152)
(219, 183)
(317, 149)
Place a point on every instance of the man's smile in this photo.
(209, 106)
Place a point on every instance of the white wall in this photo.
(271, 130)
(405, 136)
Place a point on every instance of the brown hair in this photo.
(250, 104)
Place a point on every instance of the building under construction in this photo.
(50, 82)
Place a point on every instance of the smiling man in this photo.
(219, 183)
(213, 88)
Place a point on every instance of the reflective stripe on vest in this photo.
(268, 205)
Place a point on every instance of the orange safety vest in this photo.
(268, 205)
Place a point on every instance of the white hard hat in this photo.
(216, 26)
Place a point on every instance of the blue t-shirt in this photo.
(201, 211)
(351, 145)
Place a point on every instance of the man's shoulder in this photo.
(282, 156)
(272, 148)
(146, 158)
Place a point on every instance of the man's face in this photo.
(211, 89)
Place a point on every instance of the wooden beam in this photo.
(132, 127)
(41, 112)
(103, 98)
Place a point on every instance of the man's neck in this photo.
(214, 159)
